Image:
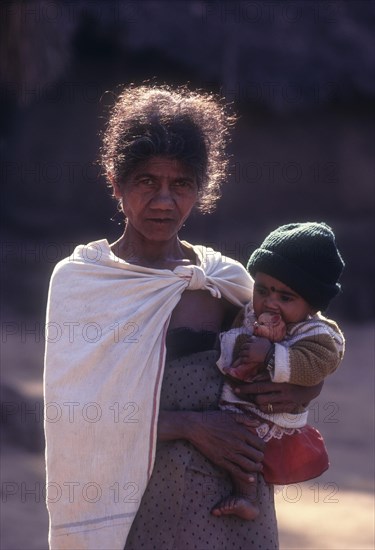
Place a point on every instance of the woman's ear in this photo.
(116, 188)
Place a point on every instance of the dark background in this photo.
(300, 76)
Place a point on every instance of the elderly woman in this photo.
(137, 451)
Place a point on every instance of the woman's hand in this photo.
(278, 398)
(222, 437)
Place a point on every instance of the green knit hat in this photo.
(304, 257)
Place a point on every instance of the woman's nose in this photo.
(163, 199)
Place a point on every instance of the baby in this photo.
(282, 336)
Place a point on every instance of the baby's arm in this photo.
(232, 341)
(250, 353)
(316, 352)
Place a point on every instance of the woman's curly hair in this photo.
(178, 123)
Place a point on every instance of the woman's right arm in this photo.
(223, 438)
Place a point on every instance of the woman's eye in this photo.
(183, 184)
(147, 183)
(284, 298)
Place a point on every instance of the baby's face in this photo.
(272, 296)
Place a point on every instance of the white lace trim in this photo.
(267, 432)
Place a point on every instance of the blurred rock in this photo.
(285, 55)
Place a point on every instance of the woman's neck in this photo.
(155, 254)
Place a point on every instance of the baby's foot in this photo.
(239, 506)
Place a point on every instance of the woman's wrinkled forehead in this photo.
(161, 166)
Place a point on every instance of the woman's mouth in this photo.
(161, 221)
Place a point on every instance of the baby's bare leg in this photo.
(243, 503)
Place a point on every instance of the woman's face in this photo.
(157, 197)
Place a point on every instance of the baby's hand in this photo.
(250, 360)
(270, 326)
(243, 371)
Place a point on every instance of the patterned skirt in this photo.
(174, 513)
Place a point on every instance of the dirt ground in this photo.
(335, 511)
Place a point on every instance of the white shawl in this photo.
(105, 354)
